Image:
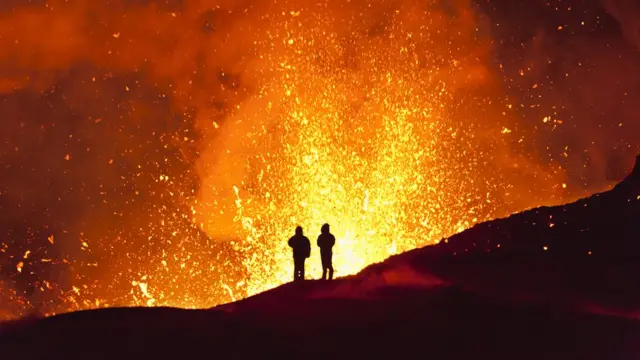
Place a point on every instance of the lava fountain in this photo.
(183, 142)
(378, 130)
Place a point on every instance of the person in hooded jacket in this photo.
(326, 241)
(301, 251)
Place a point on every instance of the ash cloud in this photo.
(627, 12)
(98, 102)
(576, 63)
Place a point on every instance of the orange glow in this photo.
(381, 147)
(386, 120)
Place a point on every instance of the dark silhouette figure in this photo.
(301, 251)
(326, 240)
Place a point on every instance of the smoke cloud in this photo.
(576, 64)
(626, 12)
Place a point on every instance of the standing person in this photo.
(301, 250)
(326, 240)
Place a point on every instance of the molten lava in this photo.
(368, 132)
(163, 154)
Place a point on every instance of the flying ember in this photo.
(163, 158)
(368, 132)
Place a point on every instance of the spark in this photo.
(373, 173)
(384, 149)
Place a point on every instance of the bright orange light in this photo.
(383, 120)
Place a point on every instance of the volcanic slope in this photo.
(553, 282)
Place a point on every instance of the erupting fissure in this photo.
(202, 133)
(368, 132)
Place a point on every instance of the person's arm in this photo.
(333, 240)
(318, 241)
(290, 242)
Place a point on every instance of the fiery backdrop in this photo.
(161, 152)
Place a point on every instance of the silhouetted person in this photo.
(301, 250)
(326, 240)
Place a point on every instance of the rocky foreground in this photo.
(554, 282)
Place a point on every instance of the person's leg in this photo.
(302, 269)
(330, 270)
(296, 269)
(330, 266)
(325, 266)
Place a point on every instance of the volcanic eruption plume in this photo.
(161, 153)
